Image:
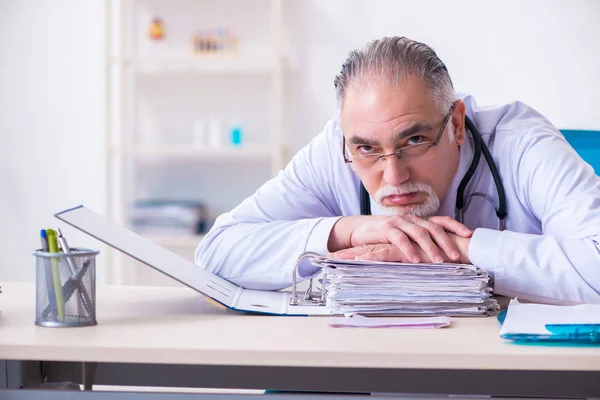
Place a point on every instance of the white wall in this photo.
(51, 122)
(543, 52)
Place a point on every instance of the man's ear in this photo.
(458, 122)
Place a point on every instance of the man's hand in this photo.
(414, 238)
(390, 252)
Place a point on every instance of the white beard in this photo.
(427, 209)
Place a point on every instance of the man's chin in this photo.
(422, 205)
(404, 209)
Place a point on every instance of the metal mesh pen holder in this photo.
(66, 288)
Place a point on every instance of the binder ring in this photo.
(306, 254)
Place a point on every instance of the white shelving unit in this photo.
(200, 154)
(222, 64)
(166, 81)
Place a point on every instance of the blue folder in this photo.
(585, 334)
(586, 144)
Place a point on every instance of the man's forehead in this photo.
(380, 95)
(386, 114)
(384, 111)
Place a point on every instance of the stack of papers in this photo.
(371, 287)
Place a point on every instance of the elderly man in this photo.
(405, 158)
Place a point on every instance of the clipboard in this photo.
(230, 295)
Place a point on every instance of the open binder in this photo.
(334, 300)
(221, 290)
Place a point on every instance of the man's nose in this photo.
(395, 171)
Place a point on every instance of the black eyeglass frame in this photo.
(399, 151)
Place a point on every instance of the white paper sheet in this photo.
(525, 318)
(359, 321)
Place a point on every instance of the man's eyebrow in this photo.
(419, 127)
(357, 140)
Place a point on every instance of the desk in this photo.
(151, 336)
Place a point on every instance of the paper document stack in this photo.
(371, 287)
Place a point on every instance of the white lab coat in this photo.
(549, 252)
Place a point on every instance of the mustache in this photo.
(404, 188)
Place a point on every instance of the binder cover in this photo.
(182, 270)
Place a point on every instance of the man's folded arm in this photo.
(563, 264)
(262, 255)
(256, 244)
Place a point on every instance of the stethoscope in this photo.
(461, 203)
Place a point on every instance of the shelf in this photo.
(205, 64)
(149, 128)
(174, 241)
(243, 152)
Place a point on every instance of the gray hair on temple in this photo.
(390, 60)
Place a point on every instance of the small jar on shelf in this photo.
(214, 41)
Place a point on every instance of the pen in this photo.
(47, 267)
(53, 248)
(85, 298)
(44, 239)
(70, 286)
(583, 332)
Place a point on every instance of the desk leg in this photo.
(3, 375)
(88, 373)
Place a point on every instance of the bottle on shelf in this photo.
(235, 133)
(214, 134)
(198, 134)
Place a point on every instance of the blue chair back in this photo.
(586, 144)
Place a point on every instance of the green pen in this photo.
(53, 247)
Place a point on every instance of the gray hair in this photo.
(391, 60)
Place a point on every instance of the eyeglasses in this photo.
(411, 152)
